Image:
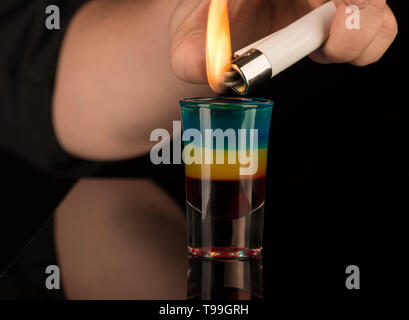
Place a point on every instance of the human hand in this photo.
(252, 20)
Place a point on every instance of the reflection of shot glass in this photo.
(225, 153)
(225, 279)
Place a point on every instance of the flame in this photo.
(218, 44)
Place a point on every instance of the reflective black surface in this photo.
(126, 239)
(225, 279)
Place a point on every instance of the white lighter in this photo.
(269, 56)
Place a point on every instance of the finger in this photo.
(188, 45)
(305, 6)
(318, 57)
(316, 3)
(382, 42)
(189, 6)
(361, 4)
(344, 44)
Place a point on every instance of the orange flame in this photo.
(218, 44)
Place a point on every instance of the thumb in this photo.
(344, 44)
(188, 40)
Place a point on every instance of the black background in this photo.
(337, 182)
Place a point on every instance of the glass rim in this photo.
(226, 103)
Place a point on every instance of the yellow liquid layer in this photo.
(255, 168)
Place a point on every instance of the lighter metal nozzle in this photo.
(247, 71)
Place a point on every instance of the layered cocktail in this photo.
(225, 154)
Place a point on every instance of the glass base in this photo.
(224, 252)
(223, 237)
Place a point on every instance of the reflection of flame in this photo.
(218, 45)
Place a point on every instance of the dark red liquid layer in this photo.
(226, 199)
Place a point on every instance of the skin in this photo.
(124, 64)
(121, 239)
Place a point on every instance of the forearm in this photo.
(114, 81)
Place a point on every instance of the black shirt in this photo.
(28, 146)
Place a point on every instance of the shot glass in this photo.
(225, 155)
